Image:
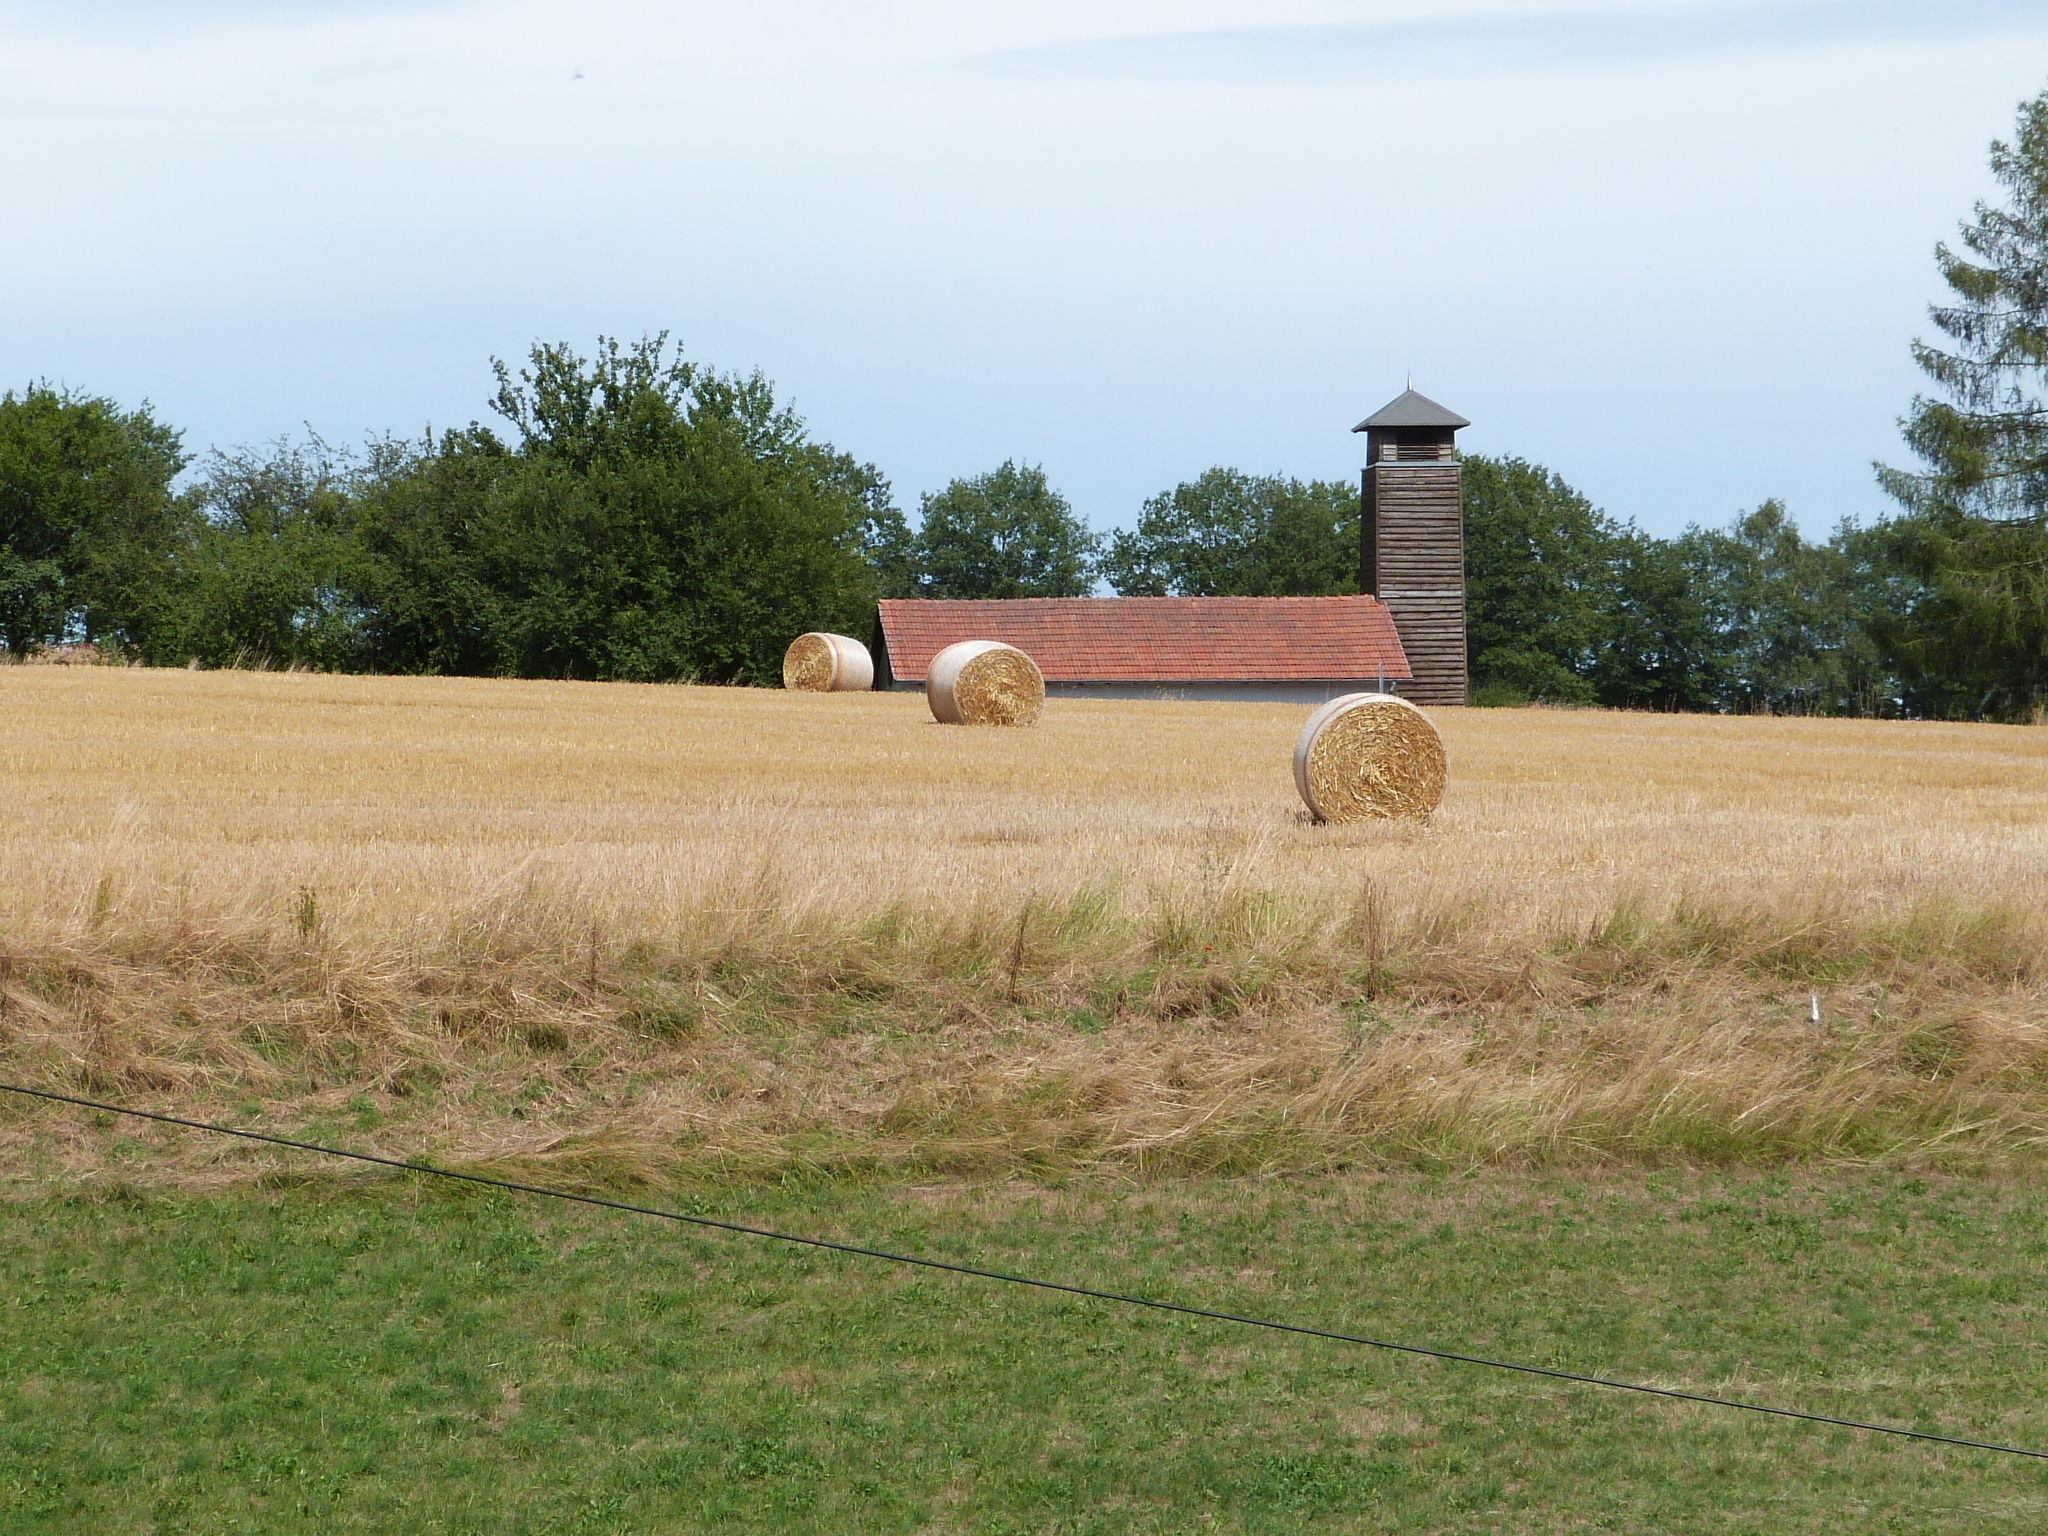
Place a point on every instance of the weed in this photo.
(306, 912)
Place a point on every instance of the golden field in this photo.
(690, 933)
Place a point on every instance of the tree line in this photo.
(637, 515)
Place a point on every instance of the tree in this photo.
(1975, 533)
(1785, 614)
(1006, 533)
(1230, 534)
(884, 537)
(650, 519)
(266, 572)
(86, 517)
(423, 521)
(1567, 603)
(1539, 580)
(1661, 648)
(1963, 621)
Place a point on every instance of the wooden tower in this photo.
(1412, 538)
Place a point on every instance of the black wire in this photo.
(1043, 1285)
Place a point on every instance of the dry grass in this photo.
(582, 927)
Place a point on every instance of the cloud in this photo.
(1491, 41)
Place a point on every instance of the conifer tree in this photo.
(1975, 638)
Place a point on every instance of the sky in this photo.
(1676, 252)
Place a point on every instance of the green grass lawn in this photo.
(396, 1356)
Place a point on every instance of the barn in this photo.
(1296, 649)
(1405, 634)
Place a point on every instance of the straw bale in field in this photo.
(984, 682)
(1369, 755)
(823, 663)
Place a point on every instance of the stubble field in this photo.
(686, 934)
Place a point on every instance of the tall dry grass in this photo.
(680, 934)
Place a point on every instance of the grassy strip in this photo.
(1246, 1035)
(386, 1357)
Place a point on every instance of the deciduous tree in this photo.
(1006, 533)
(648, 519)
(1230, 534)
(87, 522)
(1540, 580)
(267, 568)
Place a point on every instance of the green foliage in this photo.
(1986, 445)
(1661, 649)
(423, 536)
(86, 520)
(1965, 623)
(1006, 533)
(1539, 561)
(1229, 534)
(1568, 604)
(1974, 638)
(1787, 616)
(884, 537)
(350, 1357)
(266, 568)
(650, 519)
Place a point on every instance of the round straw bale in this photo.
(1369, 755)
(984, 682)
(822, 663)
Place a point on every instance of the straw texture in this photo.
(1369, 756)
(984, 682)
(824, 663)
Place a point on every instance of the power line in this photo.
(1151, 1303)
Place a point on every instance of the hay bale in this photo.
(1369, 755)
(984, 682)
(822, 663)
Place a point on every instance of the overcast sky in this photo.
(1674, 251)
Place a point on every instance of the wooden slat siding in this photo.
(1412, 556)
(1368, 535)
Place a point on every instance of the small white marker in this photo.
(1815, 996)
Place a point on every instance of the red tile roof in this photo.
(1158, 639)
